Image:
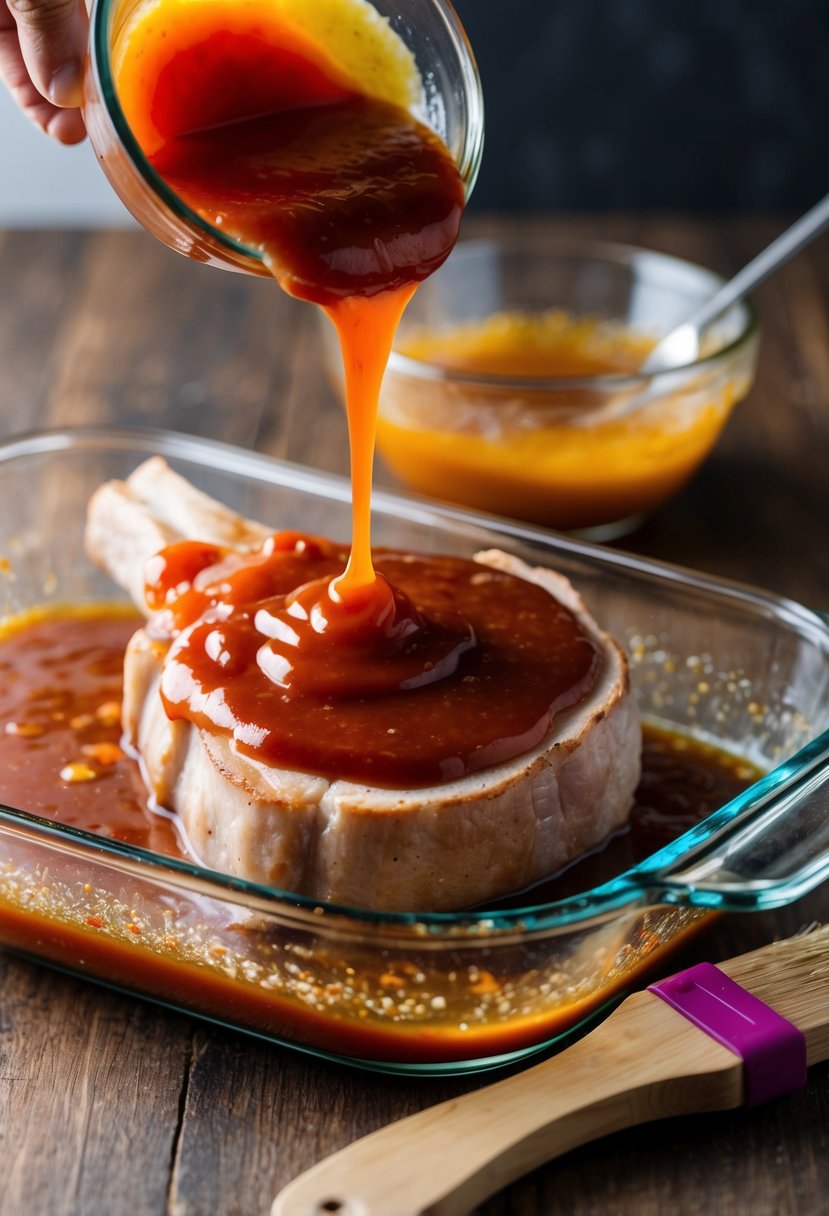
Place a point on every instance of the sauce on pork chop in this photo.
(61, 677)
(446, 668)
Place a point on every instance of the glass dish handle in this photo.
(764, 853)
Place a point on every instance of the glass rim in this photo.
(100, 62)
(620, 253)
(100, 65)
(644, 882)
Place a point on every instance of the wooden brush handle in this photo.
(643, 1063)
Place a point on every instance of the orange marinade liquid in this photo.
(60, 679)
(556, 457)
(349, 199)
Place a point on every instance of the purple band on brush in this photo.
(773, 1050)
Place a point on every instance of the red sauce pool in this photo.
(60, 683)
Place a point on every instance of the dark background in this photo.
(705, 105)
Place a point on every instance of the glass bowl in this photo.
(590, 453)
(412, 992)
(451, 104)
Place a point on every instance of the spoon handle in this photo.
(758, 269)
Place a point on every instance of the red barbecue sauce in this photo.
(441, 667)
(414, 672)
(352, 202)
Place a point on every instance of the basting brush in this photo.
(709, 1038)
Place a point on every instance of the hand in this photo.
(42, 48)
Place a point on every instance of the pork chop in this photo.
(441, 848)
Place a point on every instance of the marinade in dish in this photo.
(60, 683)
(61, 756)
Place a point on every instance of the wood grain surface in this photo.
(110, 1106)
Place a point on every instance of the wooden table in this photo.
(110, 1106)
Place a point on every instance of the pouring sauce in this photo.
(349, 199)
(253, 130)
(310, 657)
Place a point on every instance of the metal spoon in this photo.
(682, 345)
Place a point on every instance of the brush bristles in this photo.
(792, 976)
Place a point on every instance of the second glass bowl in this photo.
(590, 453)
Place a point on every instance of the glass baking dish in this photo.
(412, 992)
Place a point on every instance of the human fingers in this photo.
(64, 125)
(42, 46)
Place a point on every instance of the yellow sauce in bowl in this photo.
(496, 426)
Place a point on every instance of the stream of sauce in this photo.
(352, 202)
(349, 199)
(309, 656)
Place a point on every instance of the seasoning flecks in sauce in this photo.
(61, 679)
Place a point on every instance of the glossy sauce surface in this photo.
(60, 692)
(376, 690)
(61, 683)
